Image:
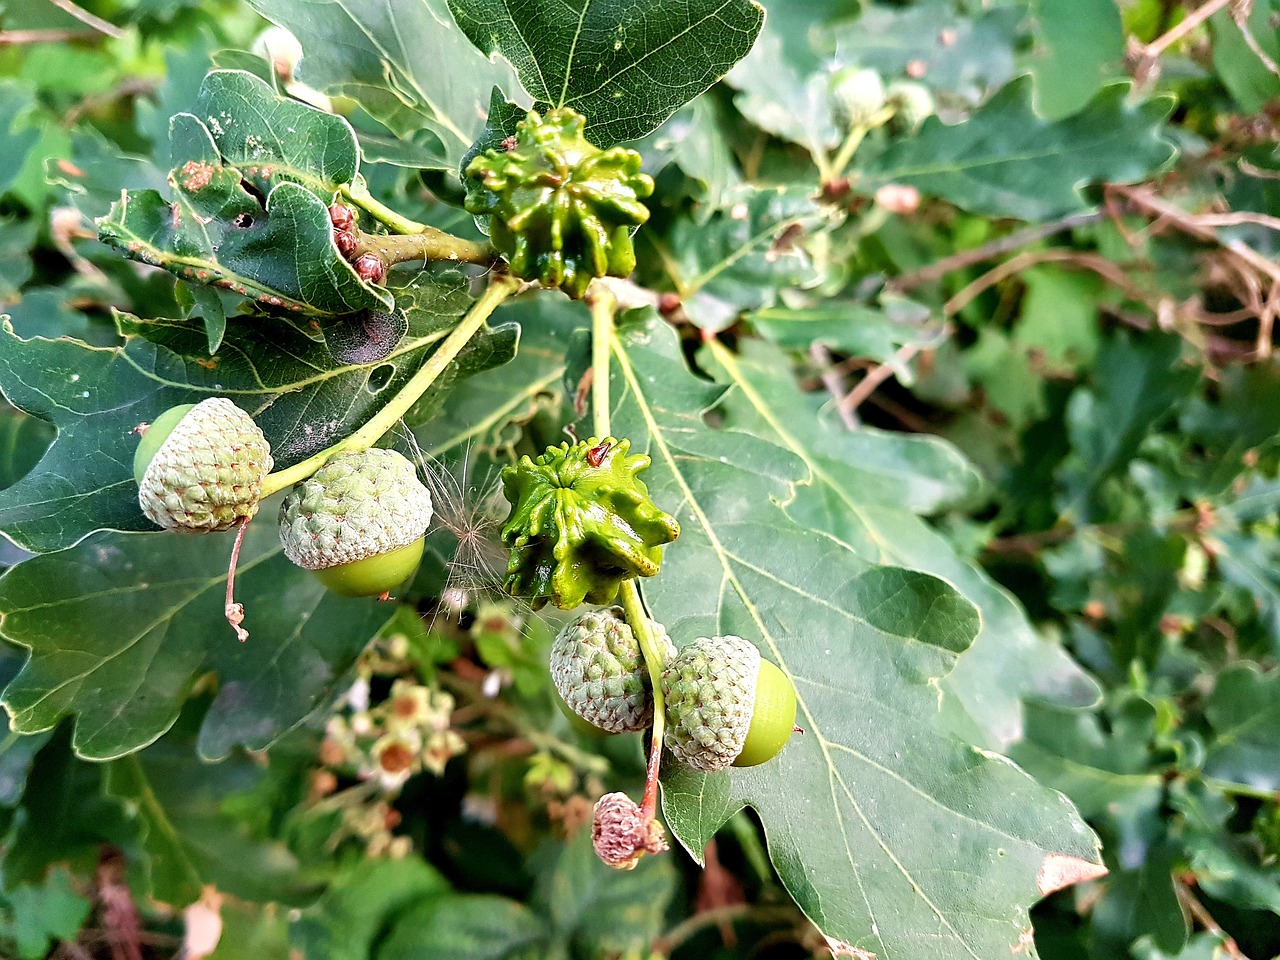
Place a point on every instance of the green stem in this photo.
(1242, 789)
(427, 244)
(358, 193)
(642, 627)
(853, 141)
(500, 288)
(603, 306)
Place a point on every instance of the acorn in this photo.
(358, 523)
(726, 705)
(200, 467)
(912, 103)
(859, 95)
(600, 673)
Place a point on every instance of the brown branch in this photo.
(15, 38)
(88, 19)
(1202, 916)
(834, 383)
(1240, 14)
(988, 251)
(1145, 56)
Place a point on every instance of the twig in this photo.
(678, 934)
(832, 380)
(88, 19)
(1240, 14)
(15, 38)
(1205, 919)
(876, 376)
(988, 251)
(134, 86)
(1146, 55)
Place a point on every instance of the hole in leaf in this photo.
(379, 377)
(243, 221)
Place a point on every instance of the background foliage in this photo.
(976, 434)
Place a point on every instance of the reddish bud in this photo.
(370, 268)
(343, 217)
(346, 242)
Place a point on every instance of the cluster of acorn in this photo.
(581, 523)
(368, 266)
(725, 704)
(359, 522)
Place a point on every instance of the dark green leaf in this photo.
(44, 914)
(1138, 383)
(1006, 161)
(626, 65)
(465, 927)
(871, 812)
(133, 620)
(189, 842)
(374, 53)
(252, 178)
(960, 55)
(1078, 49)
(865, 489)
(1244, 711)
(302, 398)
(362, 904)
(16, 139)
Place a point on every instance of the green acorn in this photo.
(726, 705)
(561, 210)
(200, 467)
(600, 673)
(912, 103)
(859, 95)
(581, 522)
(358, 523)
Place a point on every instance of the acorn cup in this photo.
(726, 705)
(600, 673)
(200, 467)
(358, 523)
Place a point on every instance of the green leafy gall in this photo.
(561, 209)
(581, 522)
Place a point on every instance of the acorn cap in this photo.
(710, 692)
(859, 95)
(207, 473)
(600, 673)
(357, 505)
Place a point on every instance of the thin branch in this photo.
(13, 38)
(1152, 50)
(1240, 14)
(989, 251)
(876, 376)
(834, 383)
(1205, 919)
(88, 19)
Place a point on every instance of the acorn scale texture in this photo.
(357, 505)
(710, 693)
(207, 475)
(600, 673)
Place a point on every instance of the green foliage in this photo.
(968, 425)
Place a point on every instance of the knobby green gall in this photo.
(560, 209)
(581, 522)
